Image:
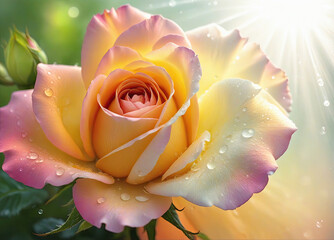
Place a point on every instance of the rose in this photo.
(134, 115)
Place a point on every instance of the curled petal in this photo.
(57, 101)
(249, 131)
(225, 55)
(30, 158)
(117, 205)
(148, 32)
(102, 31)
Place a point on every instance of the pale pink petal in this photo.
(143, 36)
(30, 158)
(101, 34)
(117, 205)
(225, 54)
(57, 101)
(248, 130)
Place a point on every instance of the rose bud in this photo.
(22, 54)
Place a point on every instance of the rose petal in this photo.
(117, 205)
(101, 34)
(30, 158)
(226, 55)
(57, 101)
(184, 68)
(249, 131)
(188, 157)
(148, 32)
(116, 57)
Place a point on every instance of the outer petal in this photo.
(117, 205)
(149, 32)
(226, 55)
(248, 133)
(29, 156)
(101, 34)
(57, 101)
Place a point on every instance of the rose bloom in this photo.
(153, 113)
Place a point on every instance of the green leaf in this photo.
(150, 229)
(47, 224)
(203, 236)
(84, 225)
(172, 217)
(15, 196)
(60, 192)
(73, 219)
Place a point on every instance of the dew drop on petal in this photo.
(194, 167)
(24, 134)
(100, 200)
(20, 169)
(223, 149)
(323, 130)
(270, 173)
(32, 156)
(39, 160)
(141, 198)
(48, 92)
(319, 223)
(40, 211)
(210, 165)
(320, 82)
(326, 103)
(125, 197)
(60, 171)
(49, 73)
(11, 110)
(244, 109)
(247, 133)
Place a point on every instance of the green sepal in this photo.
(150, 229)
(84, 225)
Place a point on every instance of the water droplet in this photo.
(172, 3)
(210, 165)
(223, 149)
(49, 73)
(20, 169)
(40, 211)
(48, 92)
(270, 173)
(273, 77)
(323, 130)
(39, 160)
(141, 198)
(25, 95)
(60, 171)
(320, 82)
(186, 178)
(244, 109)
(247, 133)
(24, 134)
(100, 200)
(140, 174)
(18, 123)
(319, 223)
(11, 110)
(326, 103)
(125, 197)
(237, 58)
(32, 156)
(194, 167)
(208, 35)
